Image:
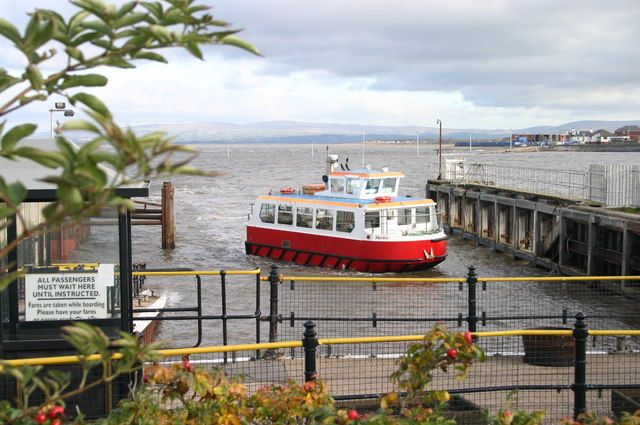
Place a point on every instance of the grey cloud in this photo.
(496, 53)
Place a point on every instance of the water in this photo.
(211, 214)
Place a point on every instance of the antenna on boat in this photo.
(346, 164)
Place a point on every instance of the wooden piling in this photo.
(168, 217)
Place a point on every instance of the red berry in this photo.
(187, 365)
(353, 414)
(428, 410)
(55, 422)
(468, 336)
(56, 411)
(452, 353)
(41, 418)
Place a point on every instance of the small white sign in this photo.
(65, 296)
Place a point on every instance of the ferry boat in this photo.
(354, 220)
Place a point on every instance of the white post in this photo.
(469, 140)
(228, 154)
(510, 138)
(417, 143)
(312, 149)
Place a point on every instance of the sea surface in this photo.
(211, 214)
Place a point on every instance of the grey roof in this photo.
(604, 133)
(31, 174)
(627, 128)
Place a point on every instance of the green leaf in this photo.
(71, 197)
(93, 103)
(6, 212)
(80, 125)
(125, 9)
(232, 40)
(98, 26)
(130, 19)
(89, 36)
(7, 80)
(152, 56)
(194, 50)
(154, 8)
(42, 34)
(7, 279)
(160, 33)
(87, 80)
(50, 159)
(75, 21)
(66, 148)
(75, 53)
(35, 77)
(16, 134)
(116, 62)
(16, 192)
(10, 32)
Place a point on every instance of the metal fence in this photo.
(563, 372)
(612, 185)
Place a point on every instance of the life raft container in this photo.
(310, 189)
(287, 190)
(382, 199)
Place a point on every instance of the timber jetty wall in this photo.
(564, 235)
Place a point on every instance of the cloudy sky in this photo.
(473, 64)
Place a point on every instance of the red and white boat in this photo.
(355, 220)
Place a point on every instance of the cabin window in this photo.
(371, 220)
(389, 185)
(304, 217)
(268, 213)
(353, 186)
(372, 186)
(285, 214)
(337, 185)
(404, 216)
(324, 219)
(422, 214)
(345, 221)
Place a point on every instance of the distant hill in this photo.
(307, 132)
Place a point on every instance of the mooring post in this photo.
(579, 386)
(309, 344)
(472, 317)
(274, 279)
(168, 219)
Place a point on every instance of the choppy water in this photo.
(211, 215)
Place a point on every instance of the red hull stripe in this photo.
(330, 251)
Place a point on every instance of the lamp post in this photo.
(469, 140)
(58, 107)
(440, 150)
(510, 138)
(363, 151)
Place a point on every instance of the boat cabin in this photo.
(362, 185)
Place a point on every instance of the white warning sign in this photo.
(66, 296)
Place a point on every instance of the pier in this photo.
(559, 233)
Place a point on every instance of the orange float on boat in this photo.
(310, 189)
(383, 199)
(287, 190)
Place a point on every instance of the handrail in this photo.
(196, 272)
(322, 341)
(456, 279)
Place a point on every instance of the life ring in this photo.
(287, 190)
(382, 199)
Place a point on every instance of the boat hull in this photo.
(369, 256)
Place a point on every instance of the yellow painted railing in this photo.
(456, 279)
(196, 272)
(322, 341)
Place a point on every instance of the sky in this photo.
(490, 64)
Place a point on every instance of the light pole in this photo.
(418, 143)
(363, 151)
(440, 150)
(58, 107)
(469, 140)
(510, 138)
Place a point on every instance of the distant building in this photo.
(601, 136)
(628, 133)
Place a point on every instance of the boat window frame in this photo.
(334, 185)
(384, 188)
(402, 212)
(272, 215)
(345, 226)
(318, 221)
(426, 216)
(284, 213)
(311, 214)
(369, 213)
(372, 190)
(353, 189)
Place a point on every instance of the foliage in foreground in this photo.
(181, 394)
(60, 56)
